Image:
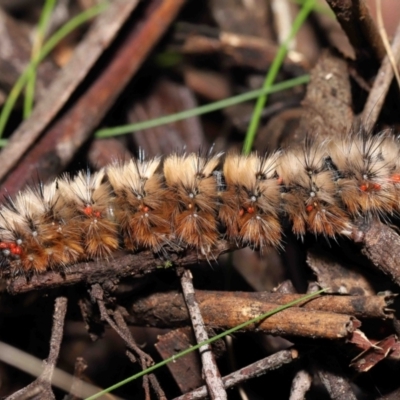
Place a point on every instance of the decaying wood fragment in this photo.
(339, 277)
(381, 244)
(359, 306)
(186, 370)
(224, 312)
(377, 352)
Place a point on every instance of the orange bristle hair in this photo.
(86, 200)
(251, 202)
(192, 186)
(140, 203)
(363, 177)
(309, 192)
(390, 154)
(35, 234)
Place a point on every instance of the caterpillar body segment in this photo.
(310, 196)
(251, 202)
(87, 201)
(192, 190)
(141, 206)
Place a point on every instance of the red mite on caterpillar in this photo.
(190, 200)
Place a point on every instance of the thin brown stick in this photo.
(395, 395)
(145, 381)
(214, 383)
(356, 20)
(256, 369)
(145, 359)
(98, 295)
(60, 310)
(121, 266)
(384, 78)
(119, 325)
(41, 387)
(76, 386)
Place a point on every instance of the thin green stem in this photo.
(121, 130)
(273, 72)
(46, 49)
(208, 341)
(37, 45)
(218, 105)
(318, 7)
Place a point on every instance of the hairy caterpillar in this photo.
(190, 200)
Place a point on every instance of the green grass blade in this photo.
(318, 7)
(197, 346)
(46, 49)
(121, 130)
(218, 105)
(272, 73)
(38, 41)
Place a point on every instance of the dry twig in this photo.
(256, 369)
(76, 386)
(357, 22)
(384, 78)
(41, 388)
(211, 373)
(121, 266)
(118, 324)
